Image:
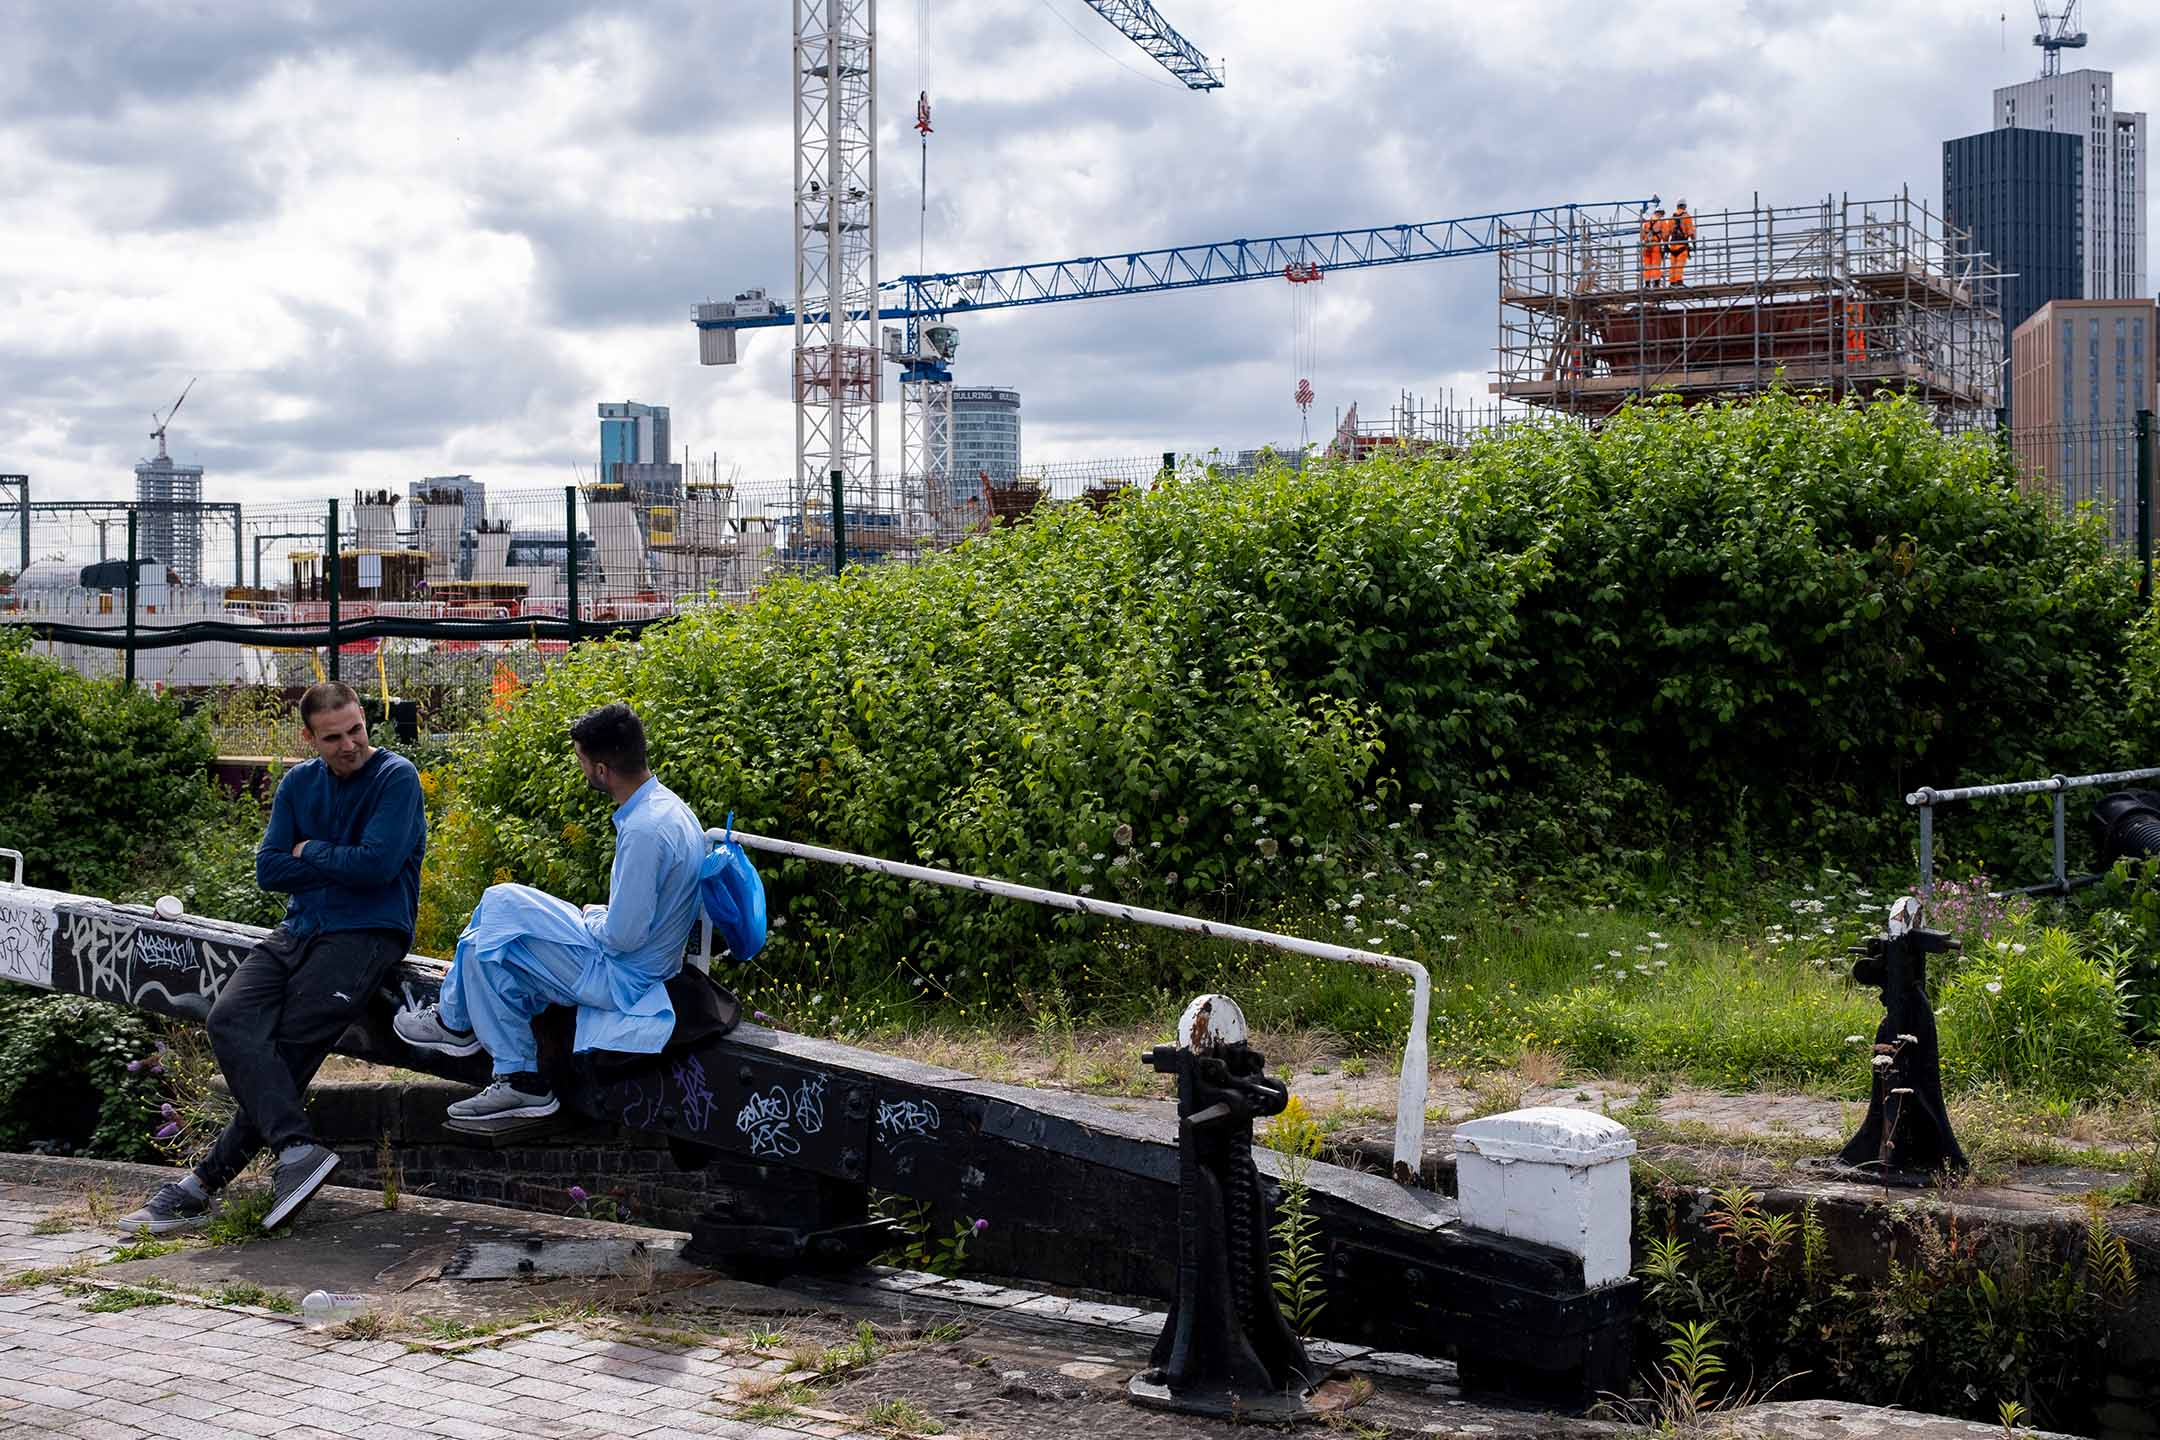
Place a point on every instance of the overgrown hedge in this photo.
(98, 783)
(1726, 633)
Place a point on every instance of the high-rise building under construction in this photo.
(169, 526)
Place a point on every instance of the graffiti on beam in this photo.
(765, 1120)
(810, 1105)
(902, 1122)
(641, 1111)
(26, 933)
(102, 945)
(117, 958)
(698, 1100)
(163, 952)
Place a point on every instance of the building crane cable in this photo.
(922, 127)
(1304, 277)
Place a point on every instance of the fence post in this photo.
(1169, 465)
(330, 582)
(2062, 883)
(839, 525)
(2144, 504)
(570, 558)
(1927, 852)
(133, 576)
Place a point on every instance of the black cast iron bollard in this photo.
(1225, 1349)
(1906, 1135)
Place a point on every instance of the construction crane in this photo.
(928, 343)
(2056, 36)
(159, 433)
(837, 358)
(1141, 23)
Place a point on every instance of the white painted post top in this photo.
(1550, 1134)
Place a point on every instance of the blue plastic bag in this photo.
(734, 896)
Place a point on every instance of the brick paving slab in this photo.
(189, 1368)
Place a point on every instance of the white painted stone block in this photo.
(1552, 1175)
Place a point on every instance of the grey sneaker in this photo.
(295, 1182)
(422, 1028)
(502, 1103)
(170, 1209)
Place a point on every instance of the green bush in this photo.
(210, 865)
(2038, 1010)
(64, 1077)
(1693, 637)
(100, 780)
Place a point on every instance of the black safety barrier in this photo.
(374, 627)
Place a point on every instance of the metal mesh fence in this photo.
(446, 593)
(443, 593)
(2093, 465)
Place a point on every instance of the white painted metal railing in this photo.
(1410, 1092)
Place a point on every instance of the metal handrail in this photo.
(1927, 798)
(1410, 1092)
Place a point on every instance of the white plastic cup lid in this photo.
(168, 907)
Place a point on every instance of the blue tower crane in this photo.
(925, 303)
(1142, 23)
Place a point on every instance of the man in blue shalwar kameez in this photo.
(525, 950)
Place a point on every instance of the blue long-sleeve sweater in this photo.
(360, 867)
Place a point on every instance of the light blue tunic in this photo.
(525, 949)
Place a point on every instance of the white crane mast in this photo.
(837, 359)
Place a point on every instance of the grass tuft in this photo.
(246, 1292)
(902, 1417)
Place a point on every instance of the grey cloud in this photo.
(96, 56)
(1422, 129)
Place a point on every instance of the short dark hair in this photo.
(325, 695)
(612, 736)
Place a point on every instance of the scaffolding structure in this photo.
(1447, 425)
(1843, 296)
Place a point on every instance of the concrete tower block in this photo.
(1558, 1177)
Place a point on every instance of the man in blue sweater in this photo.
(525, 949)
(347, 831)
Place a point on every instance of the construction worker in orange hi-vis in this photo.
(1679, 239)
(1855, 332)
(1654, 229)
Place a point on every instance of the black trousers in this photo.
(274, 1023)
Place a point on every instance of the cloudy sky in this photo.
(404, 237)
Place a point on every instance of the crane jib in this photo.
(1216, 263)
